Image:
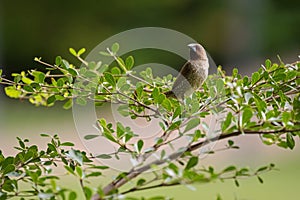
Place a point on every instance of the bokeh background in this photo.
(236, 33)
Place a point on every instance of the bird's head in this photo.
(197, 52)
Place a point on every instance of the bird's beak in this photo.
(193, 47)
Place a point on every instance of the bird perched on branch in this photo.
(192, 75)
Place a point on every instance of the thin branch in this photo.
(136, 172)
(151, 187)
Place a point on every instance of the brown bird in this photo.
(192, 75)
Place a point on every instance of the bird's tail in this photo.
(170, 94)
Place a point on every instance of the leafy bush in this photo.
(266, 104)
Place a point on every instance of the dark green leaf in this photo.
(227, 121)
(193, 161)
(290, 140)
(110, 79)
(89, 137)
(140, 182)
(167, 104)
(72, 196)
(28, 88)
(93, 174)
(286, 116)
(140, 145)
(70, 144)
(260, 179)
(103, 156)
(229, 169)
(51, 99)
(236, 182)
(73, 72)
(87, 192)
(116, 71)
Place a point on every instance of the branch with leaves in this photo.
(266, 104)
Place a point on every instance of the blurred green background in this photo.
(236, 33)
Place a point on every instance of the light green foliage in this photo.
(266, 104)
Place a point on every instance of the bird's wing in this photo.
(182, 76)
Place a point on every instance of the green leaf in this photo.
(140, 145)
(140, 182)
(9, 168)
(235, 72)
(167, 104)
(103, 156)
(110, 79)
(193, 161)
(87, 192)
(104, 53)
(121, 82)
(247, 115)
(39, 77)
(115, 48)
(120, 130)
(116, 71)
(157, 198)
(72, 51)
(69, 169)
(72, 196)
(260, 179)
(93, 174)
(103, 68)
(79, 171)
(262, 169)
(236, 182)
(12, 92)
(286, 116)
(72, 71)
(220, 86)
(58, 60)
(81, 101)
(28, 88)
(177, 112)
(69, 144)
(65, 64)
(192, 124)
(89, 137)
(68, 104)
(255, 77)
(51, 99)
(129, 62)
(26, 80)
(81, 51)
(227, 121)
(290, 140)
(229, 169)
(268, 64)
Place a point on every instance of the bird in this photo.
(192, 75)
